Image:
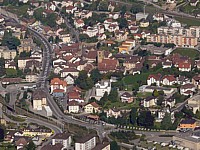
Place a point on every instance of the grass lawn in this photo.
(189, 21)
(128, 80)
(192, 53)
(20, 10)
(16, 118)
(144, 94)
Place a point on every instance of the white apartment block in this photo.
(86, 143)
(193, 31)
(102, 87)
(178, 40)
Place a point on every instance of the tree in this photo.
(103, 6)
(104, 99)
(10, 72)
(123, 23)
(160, 100)
(24, 54)
(95, 75)
(57, 40)
(123, 10)
(10, 41)
(113, 96)
(166, 123)
(197, 114)
(145, 119)
(155, 93)
(50, 39)
(51, 22)
(38, 14)
(83, 81)
(31, 146)
(136, 8)
(133, 116)
(114, 146)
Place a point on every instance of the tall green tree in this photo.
(104, 99)
(10, 72)
(83, 81)
(31, 146)
(114, 146)
(113, 96)
(133, 116)
(166, 123)
(10, 41)
(95, 75)
(145, 119)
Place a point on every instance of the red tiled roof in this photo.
(57, 81)
(155, 76)
(108, 65)
(169, 77)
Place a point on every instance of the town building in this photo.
(86, 143)
(63, 138)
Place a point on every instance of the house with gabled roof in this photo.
(92, 108)
(154, 78)
(168, 80)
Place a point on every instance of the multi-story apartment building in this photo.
(86, 143)
(178, 40)
(6, 53)
(63, 138)
(193, 31)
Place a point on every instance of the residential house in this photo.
(10, 64)
(57, 83)
(187, 89)
(194, 2)
(6, 53)
(194, 103)
(121, 35)
(31, 77)
(169, 102)
(196, 81)
(92, 108)
(26, 45)
(79, 23)
(168, 80)
(150, 101)
(66, 71)
(154, 79)
(73, 106)
(69, 79)
(144, 23)
(63, 138)
(64, 36)
(39, 99)
(126, 97)
(184, 66)
(132, 61)
(86, 143)
(21, 143)
(113, 112)
(188, 124)
(102, 87)
(108, 65)
(161, 114)
(71, 9)
(74, 96)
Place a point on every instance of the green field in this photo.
(189, 21)
(192, 53)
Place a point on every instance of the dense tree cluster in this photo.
(10, 41)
